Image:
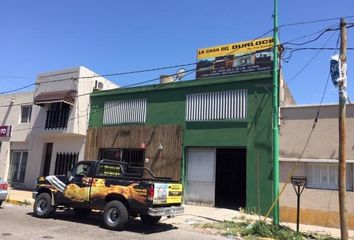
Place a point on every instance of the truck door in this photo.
(77, 191)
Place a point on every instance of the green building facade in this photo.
(237, 150)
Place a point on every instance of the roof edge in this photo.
(189, 83)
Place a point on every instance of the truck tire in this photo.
(42, 207)
(115, 215)
(0, 203)
(147, 219)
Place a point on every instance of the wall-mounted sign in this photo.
(5, 131)
(242, 57)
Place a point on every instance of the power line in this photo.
(130, 85)
(188, 64)
(306, 144)
(309, 41)
(131, 72)
(309, 62)
(293, 50)
(17, 89)
(316, 48)
(314, 21)
(188, 72)
(315, 39)
(311, 34)
(139, 71)
(163, 68)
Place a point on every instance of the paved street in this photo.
(17, 222)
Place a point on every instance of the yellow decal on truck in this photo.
(167, 193)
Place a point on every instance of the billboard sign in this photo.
(5, 131)
(243, 57)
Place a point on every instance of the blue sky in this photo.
(110, 36)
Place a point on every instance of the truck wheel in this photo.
(42, 207)
(0, 203)
(147, 219)
(115, 215)
(82, 211)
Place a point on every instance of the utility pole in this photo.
(275, 121)
(343, 214)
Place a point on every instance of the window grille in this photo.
(228, 105)
(57, 116)
(125, 111)
(65, 162)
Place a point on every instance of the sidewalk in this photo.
(20, 197)
(196, 215)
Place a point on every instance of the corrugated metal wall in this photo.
(226, 105)
(124, 111)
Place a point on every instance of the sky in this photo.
(110, 36)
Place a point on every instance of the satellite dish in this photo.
(180, 74)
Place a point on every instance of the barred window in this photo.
(65, 162)
(124, 111)
(228, 105)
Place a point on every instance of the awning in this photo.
(67, 96)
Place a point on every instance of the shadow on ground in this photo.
(95, 219)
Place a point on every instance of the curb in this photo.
(19, 202)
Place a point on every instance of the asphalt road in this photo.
(17, 223)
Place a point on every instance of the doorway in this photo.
(48, 148)
(230, 178)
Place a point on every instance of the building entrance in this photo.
(230, 178)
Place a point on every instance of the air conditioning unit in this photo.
(98, 85)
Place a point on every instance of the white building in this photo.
(43, 132)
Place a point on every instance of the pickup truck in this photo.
(116, 188)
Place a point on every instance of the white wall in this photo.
(80, 79)
(33, 136)
(86, 85)
(10, 115)
(4, 159)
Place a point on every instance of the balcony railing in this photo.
(57, 119)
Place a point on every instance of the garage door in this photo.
(200, 187)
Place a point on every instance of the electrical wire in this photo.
(143, 82)
(311, 34)
(310, 61)
(188, 64)
(288, 178)
(179, 65)
(17, 89)
(130, 85)
(316, 48)
(314, 21)
(315, 39)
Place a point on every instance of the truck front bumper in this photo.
(165, 211)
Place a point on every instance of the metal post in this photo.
(299, 183)
(298, 209)
(343, 215)
(275, 118)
